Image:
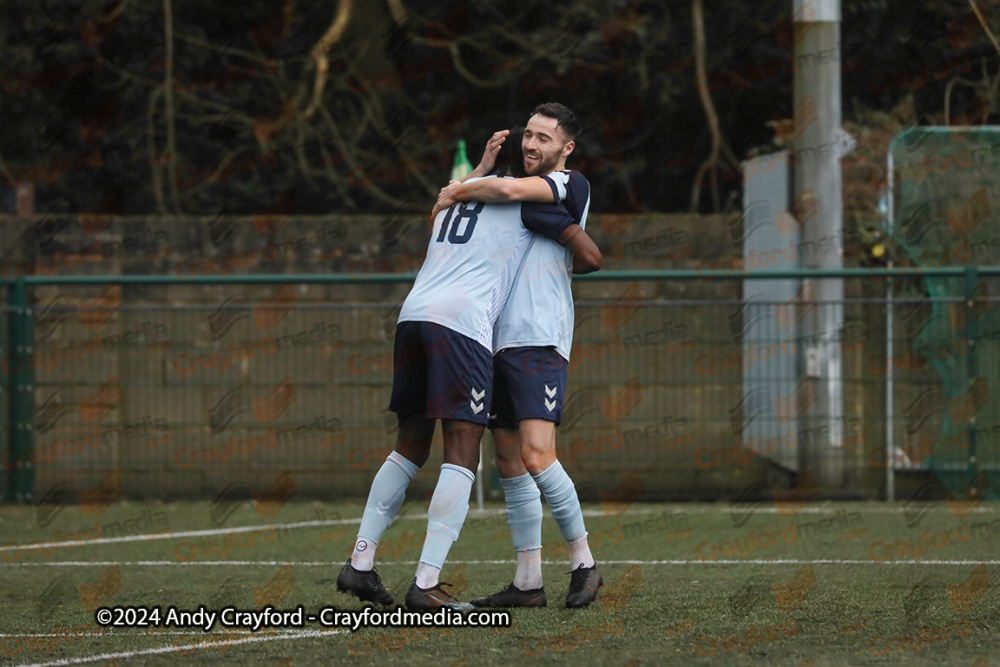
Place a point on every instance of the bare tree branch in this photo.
(352, 164)
(156, 170)
(397, 10)
(986, 27)
(712, 162)
(331, 37)
(168, 101)
(460, 67)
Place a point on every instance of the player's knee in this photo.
(461, 444)
(508, 468)
(414, 439)
(469, 461)
(415, 456)
(537, 459)
(507, 452)
(416, 450)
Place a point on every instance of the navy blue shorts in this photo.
(528, 383)
(441, 373)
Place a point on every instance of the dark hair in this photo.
(510, 160)
(567, 120)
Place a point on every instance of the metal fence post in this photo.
(971, 278)
(20, 381)
(890, 406)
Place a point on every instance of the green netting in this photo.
(945, 196)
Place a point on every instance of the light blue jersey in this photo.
(539, 311)
(472, 260)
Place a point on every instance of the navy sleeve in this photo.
(577, 195)
(548, 220)
(558, 194)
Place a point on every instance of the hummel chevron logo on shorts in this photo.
(550, 405)
(477, 396)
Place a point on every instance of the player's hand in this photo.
(490, 153)
(448, 196)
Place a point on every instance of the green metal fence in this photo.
(111, 383)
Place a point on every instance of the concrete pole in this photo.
(818, 206)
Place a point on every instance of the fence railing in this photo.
(713, 396)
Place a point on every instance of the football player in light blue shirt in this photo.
(443, 369)
(532, 344)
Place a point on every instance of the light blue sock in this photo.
(524, 516)
(561, 496)
(384, 500)
(524, 512)
(446, 514)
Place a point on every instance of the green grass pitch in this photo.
(685, 584)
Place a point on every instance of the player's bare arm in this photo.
(495, 190)
(587, 257)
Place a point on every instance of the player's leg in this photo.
(538, 451)
(446, 514)
(537, 380)
(460, 383)
(524, 506)
(388, 489)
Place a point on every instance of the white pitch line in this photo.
(830, 509)
(117, 632)
(335, 564)
(186, 533)
(149, 537)
(167, 649)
